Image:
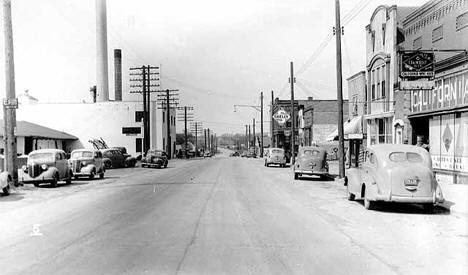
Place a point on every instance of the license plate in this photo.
(411, 182)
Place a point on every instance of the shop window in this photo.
(139, 116)
(381, 129)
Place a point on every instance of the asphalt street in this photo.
(220, 216)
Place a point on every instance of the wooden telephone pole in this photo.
(293, 116)
(10, 103)
(339, 90)
(261, 124)
(168, 100)
(187, 117)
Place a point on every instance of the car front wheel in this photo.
(54, 182)
(350, 196)
(429, 208)
(6, 190)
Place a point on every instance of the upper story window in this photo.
(373, 40)
(437, 33)
(417, 43)
(383, 34)
(461, 21)
(378, 79)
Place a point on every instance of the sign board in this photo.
(417, 85)
(417, 64)
(448, 92)
(281, 116)
(10, 103)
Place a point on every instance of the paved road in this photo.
(220, 216)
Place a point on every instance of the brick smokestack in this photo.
(101, 52)
(118, 74)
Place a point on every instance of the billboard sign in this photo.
(416, 64)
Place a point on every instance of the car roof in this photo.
(84, 150)
(47, 151)
(389, 148)
(303, 148)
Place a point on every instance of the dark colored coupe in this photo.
(154, 158)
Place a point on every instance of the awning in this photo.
(352, 130)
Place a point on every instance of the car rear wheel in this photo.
(429, 208)
(368, 204)
(350, 196)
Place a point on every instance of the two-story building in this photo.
(439, 112)
(383, 34)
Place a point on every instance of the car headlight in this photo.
(44, 166)
(25, 168)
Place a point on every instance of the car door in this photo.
(60, 165)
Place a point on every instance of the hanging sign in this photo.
(281, 116)
(417, 64)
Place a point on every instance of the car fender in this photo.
(88, 168)
(107, 162)
(130, 161)
(5, 179)
(354, 181)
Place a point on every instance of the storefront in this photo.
(441, 114)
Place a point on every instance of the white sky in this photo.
(218, 53)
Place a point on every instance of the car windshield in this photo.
(82, 154)
(405, 156)
(311, 153)
(42, 157)
(277, 151)
(156, 153)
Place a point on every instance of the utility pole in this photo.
(168, 101)
(253, 130)
(339, 90)
(10, 103)
(187, 117)
(293, 116)
(209, 142)
(143, 79)
(246, 138)
(197, 127)
(261, 124)
(204, 144)
(249, 137)
(272, 121)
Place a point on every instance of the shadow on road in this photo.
(405, 208)
(14, 196)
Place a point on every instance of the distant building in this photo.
(119, 123)
(440, 114)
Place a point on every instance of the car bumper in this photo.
(406, 199)
(29, 180)
(311, 172)
(151, 164)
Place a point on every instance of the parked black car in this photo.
(114, 158)
(154, 158)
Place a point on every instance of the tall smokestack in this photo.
(118, 74)
(101, 51)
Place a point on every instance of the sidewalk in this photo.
(456, 195)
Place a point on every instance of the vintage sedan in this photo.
(275, 156)
(114, 158)
(46, 165)
(154, 158)
(87, 163)
(311, 161)
(394, 173)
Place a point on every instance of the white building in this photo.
(118, 123)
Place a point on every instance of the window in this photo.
(417, 43)
(462, 21)
(383, 34)
(437, 33)
(378, 83)
(373, 40)
(139, 116)
(381, 129)
(383, 89)
(384, 76)
(373, 84)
